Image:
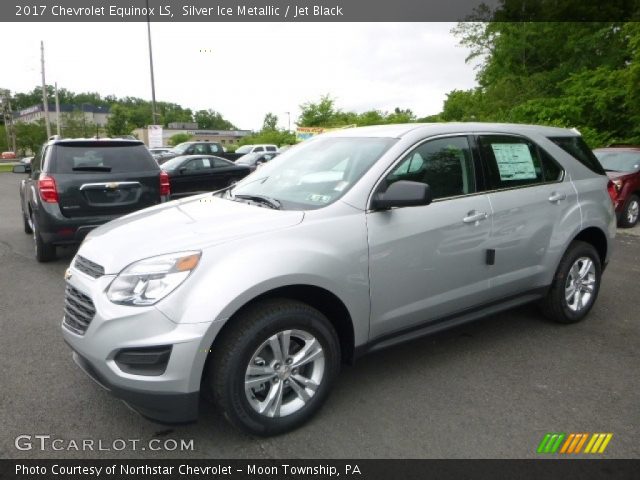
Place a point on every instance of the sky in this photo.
(244, 70)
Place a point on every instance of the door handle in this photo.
(556, 197)
(475, 217)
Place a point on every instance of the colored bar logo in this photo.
(574, 442)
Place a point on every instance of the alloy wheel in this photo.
(632, 212)
(284, 373)
(581, 284)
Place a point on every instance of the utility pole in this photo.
(45, 101)
(153, 82)
(57, 112)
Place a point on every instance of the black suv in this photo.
(75, 185)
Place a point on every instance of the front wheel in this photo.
(272, 369)
(575, 286)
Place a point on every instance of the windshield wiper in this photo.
(611, 170)
(271, 202)
(91, 169)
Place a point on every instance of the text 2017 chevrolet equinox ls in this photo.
(353, 241)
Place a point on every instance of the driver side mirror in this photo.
(21, 169)
(403, 193)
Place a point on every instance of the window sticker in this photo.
(514, 161)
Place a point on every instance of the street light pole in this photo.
(153, 82)
(289, 121)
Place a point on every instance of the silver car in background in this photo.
(353, 241)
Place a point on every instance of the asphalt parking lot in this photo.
(491, 389)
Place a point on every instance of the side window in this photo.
(207, 163)
(551, 170)
(271, 149)
(445, 164)
(36, 163)
(200, 149)
(219, 163)
(193, 165)
(258, 149)
(510, 161)
(213, 148)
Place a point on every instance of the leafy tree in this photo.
(179, 138)
(270, 122)
(30, 136)
(212, 120)
(3, 139)
(118, 123)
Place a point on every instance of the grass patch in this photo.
(6, 167)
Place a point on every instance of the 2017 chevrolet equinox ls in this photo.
(352, 241)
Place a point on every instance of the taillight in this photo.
(165, 186)
(613, 191)
(47, 188)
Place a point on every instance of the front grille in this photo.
(78, 310)
(87, 266)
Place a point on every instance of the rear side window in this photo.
(213, 148)
(516, 162)
(579, 150)
(103, 158)
(271, 149)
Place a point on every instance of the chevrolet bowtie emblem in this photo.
(112, 185)
(67, 274)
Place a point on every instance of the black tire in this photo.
(45, 252)
(25, 222)
(629, 215)
(555, 305)
(233, 351)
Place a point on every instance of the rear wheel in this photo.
(45, 252)
(575, 286)
(629, 216)
(274, 367)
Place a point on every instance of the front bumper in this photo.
(169, 397)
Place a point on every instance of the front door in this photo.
(428, 262)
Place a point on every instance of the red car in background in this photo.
(622, 164)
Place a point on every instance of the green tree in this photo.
(118, 123)
(270, 122)
(179, 138)
(30, 136)
(212, 120)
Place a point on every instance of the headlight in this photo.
(150, 280)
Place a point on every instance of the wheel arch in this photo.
(597, 238)
(317, 297)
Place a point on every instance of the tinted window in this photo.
(197, 164)
(510, 161)
(271, 149)
(551, 170)
(213, 148)
(579, 150)
(258, 149)
(444, 164)
(72, 158)
(219, 163)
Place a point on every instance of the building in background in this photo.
(224, 137)
(92, 115)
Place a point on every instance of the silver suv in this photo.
(351, 242)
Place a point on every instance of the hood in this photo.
(189, 224)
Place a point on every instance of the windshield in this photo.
(316, 173)
(619, 161)
(244, 149)
(180, 148)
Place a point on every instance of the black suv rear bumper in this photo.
(56, 229)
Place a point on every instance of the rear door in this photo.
(530, 198)
(104, 178)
